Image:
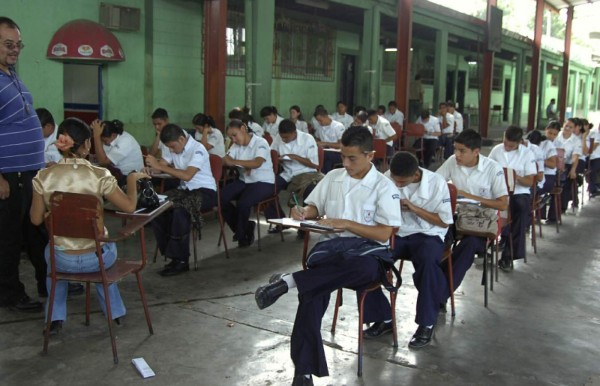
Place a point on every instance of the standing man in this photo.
(551, 110)
(366, 206)
(415, 99)
(21, 156)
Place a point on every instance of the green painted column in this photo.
(440, 68)
(586, 94)
(575, 95)
(259, 22)
(148, 67)
(596, 88)
(518, 99)
(368, 91)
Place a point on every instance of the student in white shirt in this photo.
(550, 167)
(447, 126)
(298, 119)
(572, 153)
(382, 129)
(49, 130)
(361, 118)
(299, 158)
(513, 155)
(248, 120)
(426, 214)
(120, 153)
(393, 114)
(341, 115)
(251, 155)
(458, 118)
(271, 120)
(430, 139)
(160, 118)
(189, 161)
(478, 178)
(329, 136)
(594, 154)
(366, 206)
(208, 134)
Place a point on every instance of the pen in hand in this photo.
(298, 207)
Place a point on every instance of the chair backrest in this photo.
(75, 215)
(453, 196)
(268, 138)
(560, 155)
(414, 130)
(398, 129)
(216, 167)
(510, 178)
(321, 153)
(380, 148)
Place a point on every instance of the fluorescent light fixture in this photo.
(391, 49)
(472, 63)
(314, 3)
(411, 48)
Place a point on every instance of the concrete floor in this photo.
(540, 327)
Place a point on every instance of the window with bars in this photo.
(303, 51)
(235, 40)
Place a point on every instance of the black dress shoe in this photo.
(76, 289)
(176, 269)
(27, 305)
(378, 329)
(504, 265)
(300, 234)
(421, 338)
(268, 294)
(301, 380)
(55, 327)
(444, 307)
(276, 277)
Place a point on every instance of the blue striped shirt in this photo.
(21, 138)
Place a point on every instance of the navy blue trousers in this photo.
(447, 141)
(315, 286)
(519, 213)
(330, 159)
(567, 192)
(549, 184)
(463, 255)
(172, 228)
(429, 147)
(425, 253)
(594, 168)
(247, 195)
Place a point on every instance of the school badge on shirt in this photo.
(368, 215)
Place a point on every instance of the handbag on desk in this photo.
(474, 218)
(147, 197)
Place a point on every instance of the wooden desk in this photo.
(291, 223)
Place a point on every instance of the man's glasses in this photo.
(12, 45)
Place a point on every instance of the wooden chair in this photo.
(361, 303)
(216, 167)
(268, 138)
(274, 199)
(76, 215)
(587, 171)
(447, 256)
(414, 132)
(398, 129)
(556, 192)
(380, 147)
(535, 213)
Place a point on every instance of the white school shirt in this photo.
(370, 201)
(431, 126)
(304, 146)
(272, 128)
(301, 126)
(549, 150)
(194, 154)
(539, 157)
(125, 153)
(398, 116)
(215, 139)
(570, 145)
(257, 147)
(450, 121)
(522, 161)
(579, 145)
(486, 179)
(458, 122)
(383, 129)
(51, 153)
(345, 119)
(332, 132)
(257, 129)
(432, 194)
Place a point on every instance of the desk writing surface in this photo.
(304, 225)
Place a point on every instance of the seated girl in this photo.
(75, 174)
(208, 134)
(119, 151)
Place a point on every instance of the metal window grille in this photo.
(235, 43)
(303, 51)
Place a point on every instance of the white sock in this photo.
(307, 376)
(289, 280)
(388, 321)
(429, 327)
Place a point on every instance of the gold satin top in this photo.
(75, 175)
